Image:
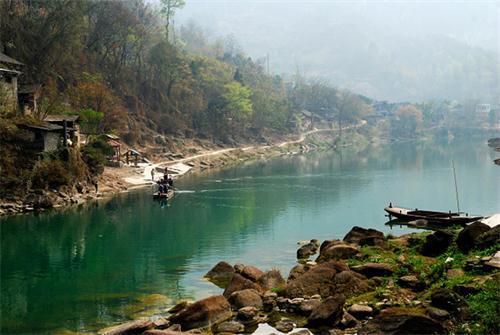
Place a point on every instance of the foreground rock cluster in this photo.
(366, 283)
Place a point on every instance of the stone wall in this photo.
(51, 141)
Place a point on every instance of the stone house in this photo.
(42, 137)
(21, 97)
(9, 73)
(28, 96)
(68, 124)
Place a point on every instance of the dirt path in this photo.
(146, 175)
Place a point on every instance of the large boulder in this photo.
(230, 327)
(328, 313)
(297, 271)
(251, 272)
(401, 321)
(411, 282)
(203, 313)
(327, 279)
(271, 279)
(435, 244)
(360, 311)
(238, 283)
(308, 249)
(220, 274)
(450, 301)
(468, 238)
(362, 236)
(245, 298)
(336, 251)
(373, 269)
(489, 238)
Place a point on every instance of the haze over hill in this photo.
(393, 51)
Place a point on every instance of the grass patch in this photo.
(485, 309)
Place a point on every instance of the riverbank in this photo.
(366, 283)
(193, 157)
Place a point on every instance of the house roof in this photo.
(61, 118)
(42, 126)
(113, 137)
(8, 60)
(9, 71)
(114, 143)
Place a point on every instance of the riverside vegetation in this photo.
(442, 282)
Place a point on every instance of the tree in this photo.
(350, 108)
(237, 103)
(407, 121)
(168, 8)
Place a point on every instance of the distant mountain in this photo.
(387, 51)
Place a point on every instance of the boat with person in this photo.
(164, 195)
(440, 218)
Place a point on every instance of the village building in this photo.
(114, 141)
(42, 137)
(69, 125)
(28, 96)
(9, 73)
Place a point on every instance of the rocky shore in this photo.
(442, 282)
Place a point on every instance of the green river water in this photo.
(89, 267)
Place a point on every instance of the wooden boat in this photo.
(441, 218)
(164, 196)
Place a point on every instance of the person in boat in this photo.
(170, 181)
(162, 186)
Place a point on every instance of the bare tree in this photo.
(168, 11)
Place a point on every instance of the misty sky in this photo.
(385, 49)
(474, 22)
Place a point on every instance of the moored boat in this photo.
(164, 196)
(434, 217)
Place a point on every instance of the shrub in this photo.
(51, 173)
(94, 155)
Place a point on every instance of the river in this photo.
(88, 267)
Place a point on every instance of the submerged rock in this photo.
(136, 326)
(203, 313)
(220, 274)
